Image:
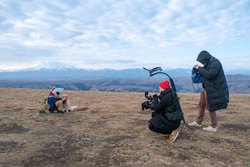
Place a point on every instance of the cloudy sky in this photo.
(98, 34)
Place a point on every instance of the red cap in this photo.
(164, 85)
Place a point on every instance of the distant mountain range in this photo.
(69, 74)
(128, 80)
(75, 73)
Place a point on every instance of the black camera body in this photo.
(149, 103)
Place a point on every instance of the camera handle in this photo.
(151, 73)
(153, 70)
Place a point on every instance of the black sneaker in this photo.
(60, 112)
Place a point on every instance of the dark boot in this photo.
(60, 112)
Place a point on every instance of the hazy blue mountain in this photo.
(74, 73)
(238, 84)
(127, 80)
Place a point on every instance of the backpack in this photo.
(196, 76)
(174, 112)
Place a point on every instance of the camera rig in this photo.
(147, 104)
(154, 71)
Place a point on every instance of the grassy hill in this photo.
(109, 129)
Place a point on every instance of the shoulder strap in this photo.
(171, 108)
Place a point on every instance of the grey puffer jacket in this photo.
(214, 81)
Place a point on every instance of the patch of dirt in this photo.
(236, 127)
(98, 124)
(11, 109)
(103, 159)
(107, 155)
(231, 112)
(235, 144)
(183, 156)
(189, 135)
(52, 131)
(117, 139)
(138, 122)
(82, 109)
(61, 152)
(95, 112)
(12, 128)
(8, 146)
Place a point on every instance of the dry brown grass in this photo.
(109, 129)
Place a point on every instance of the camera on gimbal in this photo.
(149, 103)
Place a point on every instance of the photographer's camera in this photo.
(149, 103)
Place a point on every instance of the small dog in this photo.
(66, 104)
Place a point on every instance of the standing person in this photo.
(160, 123)
(215, 94)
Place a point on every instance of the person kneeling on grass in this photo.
(54, 101)
(159, 122)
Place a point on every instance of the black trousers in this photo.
(160, 124)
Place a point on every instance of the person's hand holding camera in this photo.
(155, 96)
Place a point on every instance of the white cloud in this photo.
(80, 32)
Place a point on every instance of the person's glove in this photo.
(155, 96)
